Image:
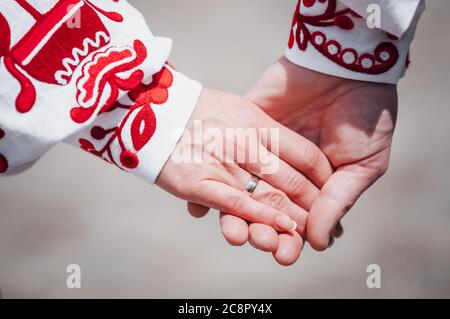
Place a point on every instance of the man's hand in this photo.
(351, 121)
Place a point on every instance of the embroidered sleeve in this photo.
(133, 133)
(329, 37)
(89, 72)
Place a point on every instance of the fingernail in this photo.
(286, 223)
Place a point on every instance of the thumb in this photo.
(337, 196)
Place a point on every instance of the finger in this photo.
(337, 196)
(301, 154)
(263, 237)
(331, 242)
(339, 231)
(228, 199)
(196, 210)
(284, 177)
(289, 248)
(268, 195)
(235, 230)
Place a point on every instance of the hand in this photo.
(351, 121)
(209, 170)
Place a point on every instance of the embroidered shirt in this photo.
(90, 72)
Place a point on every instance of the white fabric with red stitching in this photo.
(71, 70)
(63, 67)
(330, 37)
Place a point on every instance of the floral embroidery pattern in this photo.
(139, 117)
(323, 13)
(34, 55)
(103, 70)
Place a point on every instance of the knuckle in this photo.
(265, 216)
(236, 202)
(382, 170)
(297, 184)
(275, 198)
(311, 156)
(378, 170)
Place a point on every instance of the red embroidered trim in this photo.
(3, 160)
(142, 127)
(384, 57)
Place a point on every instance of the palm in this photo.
(352, 122)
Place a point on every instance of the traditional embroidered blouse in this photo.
(90, 73)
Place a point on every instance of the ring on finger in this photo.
(251, 186)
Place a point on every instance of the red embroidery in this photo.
(103, 70)
(51, 50)
(3, 160)
(143, 123)
(384, 57)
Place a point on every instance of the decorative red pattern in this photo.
(94, 73)
(50, 51)
(27, 95)
(3, 160)
(143, 124)
(384, 57)
(115, 16)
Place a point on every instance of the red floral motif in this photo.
(384, 57)
(142, 118)
(103, 70)
(3, 160)
(51, 50)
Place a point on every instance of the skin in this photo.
(352, 122)
(218, 179)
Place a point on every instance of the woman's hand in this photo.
(227, 140)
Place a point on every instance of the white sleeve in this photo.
(330, 37)
(395, 15)
(91, 73)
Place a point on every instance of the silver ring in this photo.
(251, 186)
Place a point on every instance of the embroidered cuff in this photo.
(328, 37)
(62, 63)
(140, 132)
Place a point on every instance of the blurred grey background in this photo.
(133, 240)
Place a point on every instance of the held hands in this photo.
(211, 167)
(341, 146)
